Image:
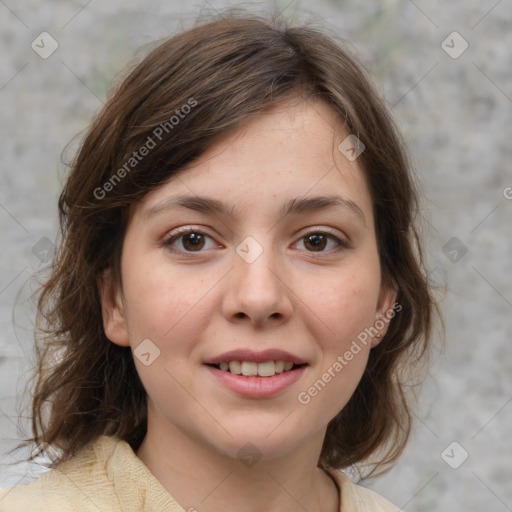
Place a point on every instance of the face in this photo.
(261, 258)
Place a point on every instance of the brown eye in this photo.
(321, 242)
(193, 241)
(188, 240)
(315, 241)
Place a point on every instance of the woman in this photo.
(238, 299)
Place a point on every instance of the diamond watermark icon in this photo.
(454, 455)
(454, 45)
(351, 147)
(249, 454)
(454, 249)
(147, 352)
(249, 249)
(44, 250)
(44, 45)
(44, 454)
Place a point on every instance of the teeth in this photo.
(251, 369)
(235, 367)
(280, 366)
(267, 369)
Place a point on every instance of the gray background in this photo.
(455, 114)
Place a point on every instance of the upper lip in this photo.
(270, 354)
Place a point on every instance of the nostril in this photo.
(241, 314)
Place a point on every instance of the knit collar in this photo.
(139, 490)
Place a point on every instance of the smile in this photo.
(256, 374)
(253, 369)
(252, 385)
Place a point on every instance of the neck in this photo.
(200, 478)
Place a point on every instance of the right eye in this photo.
(188, 239)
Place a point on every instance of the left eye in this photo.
(317, 241)
(191, 240)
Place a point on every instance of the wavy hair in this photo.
(225, 70)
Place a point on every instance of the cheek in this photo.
(342, 306)
(340, 311)
(170, 308)
(343, 351)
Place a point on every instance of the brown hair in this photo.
(224, 70)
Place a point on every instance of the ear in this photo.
(112, 309)
(386, 309)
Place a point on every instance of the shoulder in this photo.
(82, 483)
(355, 498)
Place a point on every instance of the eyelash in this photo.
(183, 231)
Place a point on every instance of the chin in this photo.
(253, 440)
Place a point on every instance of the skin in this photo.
(295, 296)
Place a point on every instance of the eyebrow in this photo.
(297, 206)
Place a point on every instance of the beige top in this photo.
(106, 476)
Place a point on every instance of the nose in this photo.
(257, 292)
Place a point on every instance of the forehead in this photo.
(287, 151)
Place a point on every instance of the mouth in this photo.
(254, 369)
(252, 374)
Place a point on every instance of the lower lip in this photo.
(257, 387)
